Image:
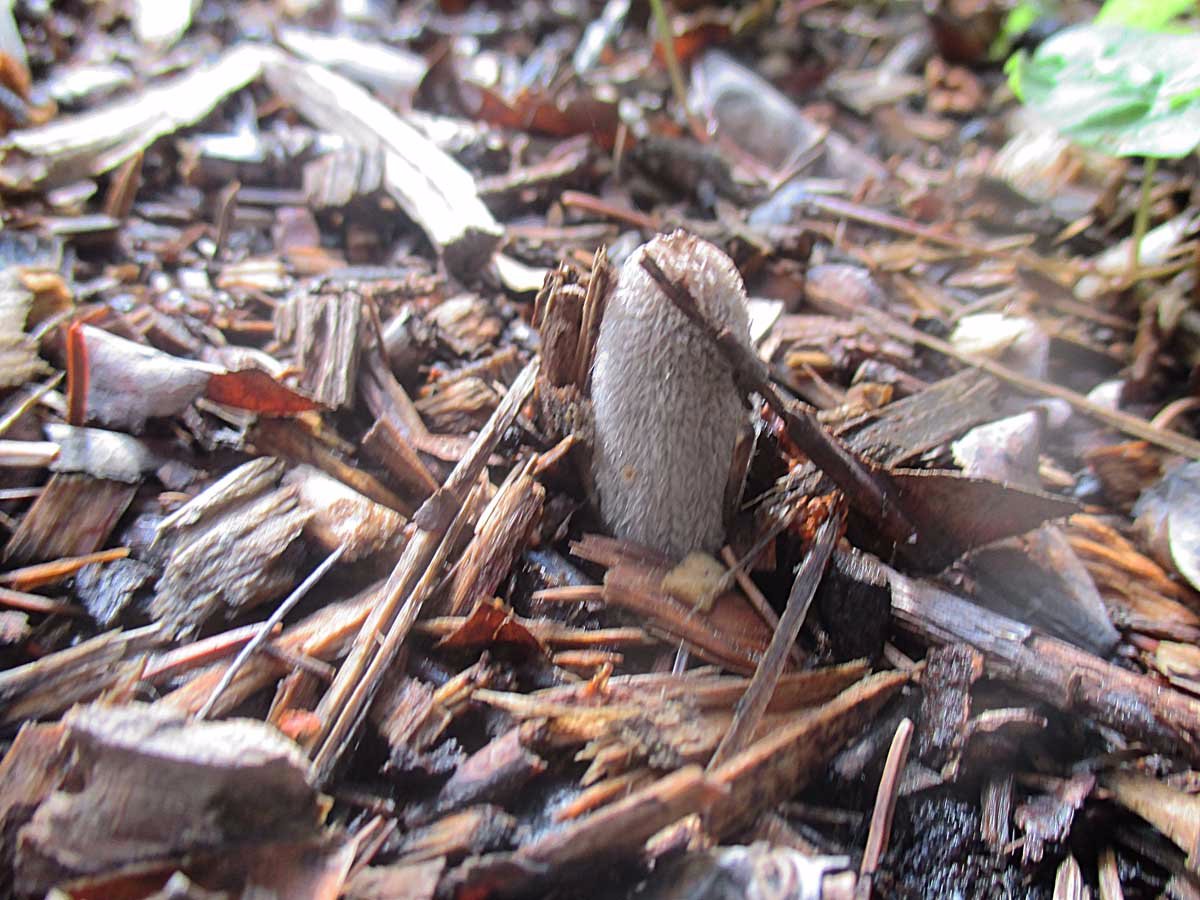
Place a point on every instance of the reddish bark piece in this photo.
(559, 115)
(497, 771)
(255, 390)
(72, 516)
(77, 375)
(1048, 817)
(491, 623)
(415, 881)
(34, 767)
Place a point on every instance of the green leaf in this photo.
(1014, 68)
(1150, 15)
(1121, 91)
(1019, 20)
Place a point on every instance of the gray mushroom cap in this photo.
(667, 412)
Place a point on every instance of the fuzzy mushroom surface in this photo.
(666, 410)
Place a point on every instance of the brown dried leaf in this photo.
(491, 622)
(256, 391)
(954, 514)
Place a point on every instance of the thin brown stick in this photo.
(28, 402)
(369, 840)
(756, 597)
(866, 489)
(593, 204)
(737, 568)
(28, 454)
(571, 593)
(1124, 422)
(748, 713)
(847, 209)
(47, 573)
(200, 653)
(267, 627)
(380, 638)
(885, 808)
(1173, 410)
(35, 603)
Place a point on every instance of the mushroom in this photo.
(667, 414)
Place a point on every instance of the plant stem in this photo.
(665, 37)
(1142, 217)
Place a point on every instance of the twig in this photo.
(864, 488)
(35, 603)
(866, 216)
(344, 705)
(369, 840)
(264, 630)
(199, 653)
(295, 659)
(1052, 670)
(1173, 410)
(42, 574)
(885, 808)
(1124, 422)
(27, 454)
(856, 212)
(750, 708)
(1141, 218)
(662, 24)
(756, 597)
(598, 206)
(570, 594)
(737, 568)
(27, 404)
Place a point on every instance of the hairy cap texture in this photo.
(667, 412)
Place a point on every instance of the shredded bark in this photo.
(467, 449)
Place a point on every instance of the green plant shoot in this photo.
(1121, 91)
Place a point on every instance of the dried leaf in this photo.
(256, 391)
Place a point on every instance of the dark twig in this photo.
(750, 708)
(867, 489)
